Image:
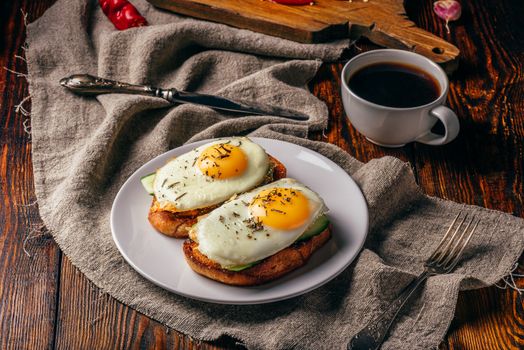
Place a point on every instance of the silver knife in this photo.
(85, 84)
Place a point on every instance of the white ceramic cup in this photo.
(394, 127)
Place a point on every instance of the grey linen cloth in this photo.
(85, 148)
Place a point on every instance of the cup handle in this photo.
(451, 124)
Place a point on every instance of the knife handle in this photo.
(85, 84)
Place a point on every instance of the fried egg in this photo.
(258, 224)
(210, 174)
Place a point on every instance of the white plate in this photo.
(160, 259)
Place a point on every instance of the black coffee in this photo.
(394, 85)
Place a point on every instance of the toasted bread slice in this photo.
(177, 224)
(267, 270)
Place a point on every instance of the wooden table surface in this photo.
(46, 303)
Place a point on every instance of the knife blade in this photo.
(85, 84)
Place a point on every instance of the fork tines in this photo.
(452, 245)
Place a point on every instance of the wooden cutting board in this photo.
(384, 22)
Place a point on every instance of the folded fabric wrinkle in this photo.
(84, 150)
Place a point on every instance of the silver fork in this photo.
(442, 261)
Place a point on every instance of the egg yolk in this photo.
(222, 161)
(281, 208)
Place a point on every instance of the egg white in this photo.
(225, 237)
(180, 184)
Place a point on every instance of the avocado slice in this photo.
(316, 228)
(241, 267)
(148, 182)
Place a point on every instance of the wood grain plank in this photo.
(487, 94)
(484, 166)
(28, 280)
(88, 319)
(487, 323)
(289, 22)
(382, 21)
(385, 23)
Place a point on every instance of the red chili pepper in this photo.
(122, 14)
(294, 2)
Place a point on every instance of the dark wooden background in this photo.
(46, 303)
